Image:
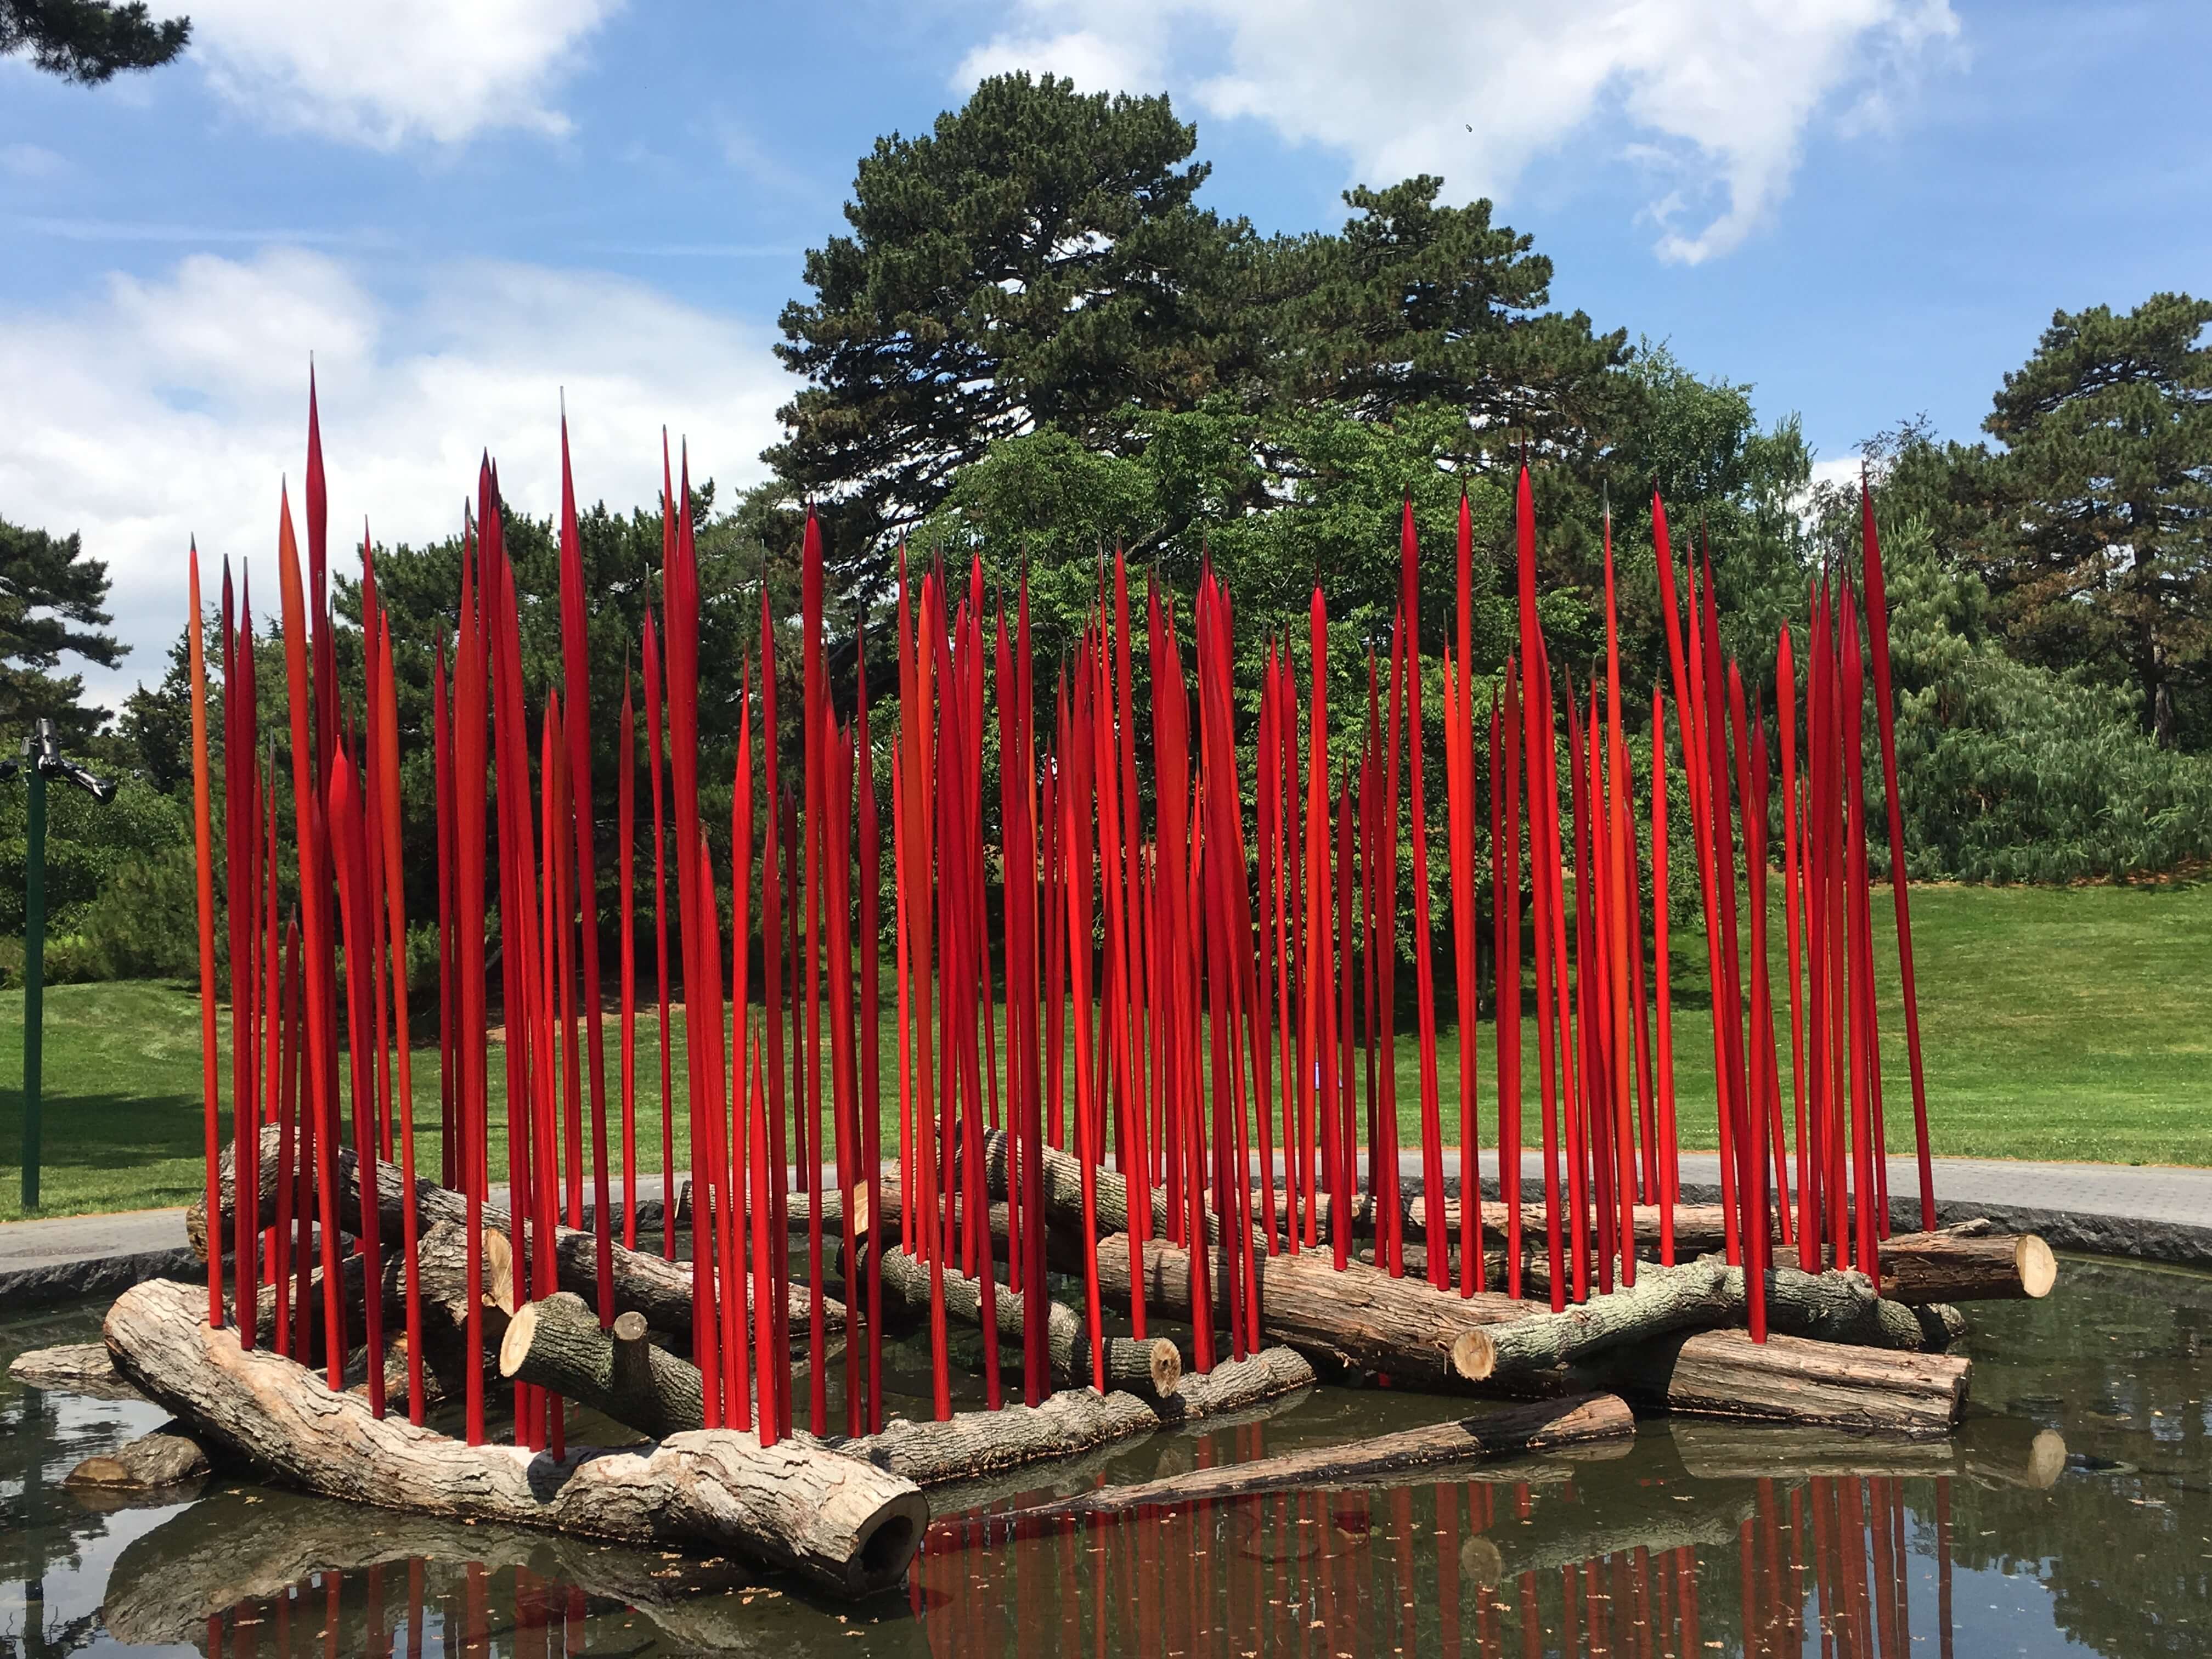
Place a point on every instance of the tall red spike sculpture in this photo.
(1884, 706)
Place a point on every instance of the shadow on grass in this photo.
(111, 1142)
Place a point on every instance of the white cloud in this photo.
(30, 161)
(384, 72)
(168, 408)
(1718, 96)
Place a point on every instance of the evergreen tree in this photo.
(51, 604)
(2099, 548)
(1034, 259)
(89, 41)
(1038, 263)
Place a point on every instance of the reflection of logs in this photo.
(1606, 1518)
(1502, 1434)
(659, 1289)
(1745, 1451)
(2012, 1451)
(1149, 1368)
(1359, 1319)
(976, 1445)
(235, 1548)
(830, 1519)
(82, 1368)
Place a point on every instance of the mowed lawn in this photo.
(2070, 1023)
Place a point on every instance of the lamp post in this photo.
(41, 759)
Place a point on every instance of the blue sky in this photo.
(1865, 207)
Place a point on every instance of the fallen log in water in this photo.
(1831, 1307)
(1149, 1368)
(659, 1289)
(167, 1458)
(1360, 1320)
(973, 1446)
(1786, 1379)
(1967, 1262)
(841, 1525)
(1507, 1433)
(557, 1343)
(84, 1368)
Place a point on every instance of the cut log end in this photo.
(515, 1346)
(1473, 1356)
(2039, 1268)
(1167, 1369)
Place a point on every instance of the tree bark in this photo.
(1359, 1320)
(1150, 1369)
(1837, 1306)
(1508, 1433)
(556, 1343)
(974, 1446)
(1787, 1379)
(166, 1458)
(659, 1289)
(843, 1527)
(1919, 1268)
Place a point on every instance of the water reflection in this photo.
(2073, 1512)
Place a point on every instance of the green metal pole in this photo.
(34, 972)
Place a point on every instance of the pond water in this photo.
(2073, 1514)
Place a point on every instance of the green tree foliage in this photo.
(2011, 771)
(52, 602)
(119, 883)
(1034, 260)
(1038, 263)
(2091, 522)
(89, 41)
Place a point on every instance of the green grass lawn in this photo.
(2059, 1023)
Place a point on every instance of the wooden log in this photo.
(831, 1520)
(1359, 1320)
(659, 1289)
(1952, 1266)
(556, 1343)
(84, 1368)
(235, 1550)
(1713, 1450)
(1150, 1369)
(1961, 1263)
(1787, 1379)
(1508, 1433)
(1830, 1306)
(1663, 1300)
(974, 1446)
(167, 1457)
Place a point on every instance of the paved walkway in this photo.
(2161, 1212)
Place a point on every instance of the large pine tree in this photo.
(2098, 551)
(1037, 262)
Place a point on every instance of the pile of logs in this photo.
(1847, 1354)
